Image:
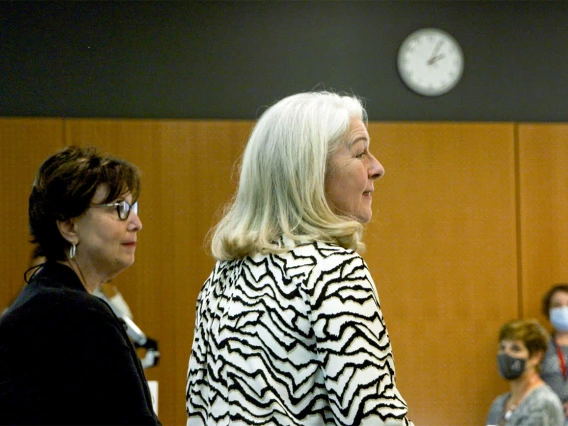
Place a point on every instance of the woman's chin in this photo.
(364, 218)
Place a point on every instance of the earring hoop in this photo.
(72, 251)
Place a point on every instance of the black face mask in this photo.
(509, 367)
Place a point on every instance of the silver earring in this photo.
(72, 251)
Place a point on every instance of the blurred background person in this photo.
(289, 329)
(554, 369)
(65, 358)
(529, 402)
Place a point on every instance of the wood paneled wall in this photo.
(543, 211)
(468, 233)
(24, 144)
(442, 249)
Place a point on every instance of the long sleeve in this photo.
(292, 338)
(118, 392)
(65, 359)
(353, 345)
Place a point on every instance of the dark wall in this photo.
(228, 59)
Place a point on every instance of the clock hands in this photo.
(430, 62)
(435, 57)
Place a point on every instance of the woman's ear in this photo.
(67, 230)
(538, 356)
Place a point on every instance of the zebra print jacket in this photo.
(292, 339)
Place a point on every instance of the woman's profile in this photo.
(289, 329)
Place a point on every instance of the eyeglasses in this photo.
(123, 208)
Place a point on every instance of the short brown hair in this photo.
(64, 187)
(548, 297)
(528, 331)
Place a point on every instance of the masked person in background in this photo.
(554, 366)
(529, 402)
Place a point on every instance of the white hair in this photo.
(281, 191)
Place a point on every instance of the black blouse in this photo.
(65, 358)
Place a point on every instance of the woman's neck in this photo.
(91, 281)
(522, 386)
(561, 338)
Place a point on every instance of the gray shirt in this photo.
(541, 407)
(551, 372)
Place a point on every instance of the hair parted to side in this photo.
(528, 331)
(281, 189)
(63, 188)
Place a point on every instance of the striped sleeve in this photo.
(353, 345)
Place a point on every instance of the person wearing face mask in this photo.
(554, 366)
(530, 401)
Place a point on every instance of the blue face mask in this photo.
(559, 318)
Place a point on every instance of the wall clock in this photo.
(430, 62)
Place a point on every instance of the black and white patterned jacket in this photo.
(292, 339)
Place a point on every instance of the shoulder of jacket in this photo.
(324, 250)
(71, 301)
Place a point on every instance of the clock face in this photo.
(430, 62)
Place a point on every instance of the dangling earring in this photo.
(72, 251)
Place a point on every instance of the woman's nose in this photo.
(377, 170)
(134, 224)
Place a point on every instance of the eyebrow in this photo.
(357, 140)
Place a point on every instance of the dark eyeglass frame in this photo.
(123, 208)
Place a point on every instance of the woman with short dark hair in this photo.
(529, 402)
(65, 357)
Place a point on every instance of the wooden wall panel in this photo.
(449, 258)
(442, 250)
(199, 159)
(186, 168)
(24, 144)
(543, 165)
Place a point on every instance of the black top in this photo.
(65, 358)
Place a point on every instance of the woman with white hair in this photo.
(289, 329)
